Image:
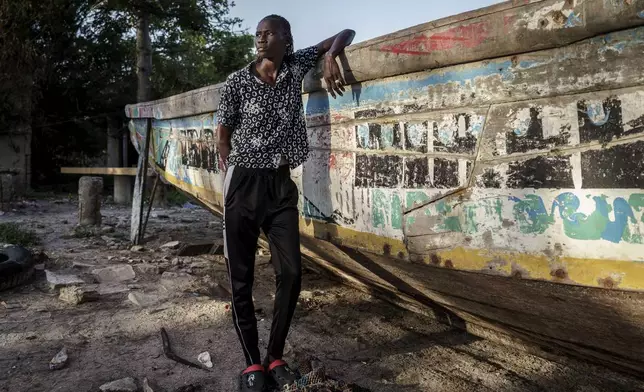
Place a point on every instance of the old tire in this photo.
(16, 266)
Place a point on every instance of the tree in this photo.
(87, 67)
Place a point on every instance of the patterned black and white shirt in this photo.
(267, 122)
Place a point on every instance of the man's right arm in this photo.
(223, 136)
(227, 119)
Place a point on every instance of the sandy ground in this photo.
(356, 337)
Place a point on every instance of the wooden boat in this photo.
(485, 168)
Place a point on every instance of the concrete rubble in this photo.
(57, 280)
(205, 359)
(171, 245)
(114, 273)
(144, 300)
(123, 385)
(59, 361)
(75, 295)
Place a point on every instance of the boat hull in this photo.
(504, 195)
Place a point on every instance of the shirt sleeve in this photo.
(306, 58)
(229, 104)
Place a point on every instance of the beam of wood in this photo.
(147, 215)
(107, 171)
(139, 188)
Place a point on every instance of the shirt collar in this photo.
(284, 70)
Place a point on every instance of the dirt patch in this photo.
(354, 337)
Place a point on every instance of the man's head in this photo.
(273, 38)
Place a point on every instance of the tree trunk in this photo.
(144, 69)
(144, 57)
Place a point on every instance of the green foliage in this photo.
(67, 67)
(12, 233)
(175, 197)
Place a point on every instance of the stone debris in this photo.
(57, 281)
(112, 288)
(184, 282)
(59, 361)
(149, 386)
(151, 269)
(114, 273)
(137, 248)
(171, 245)
(178, 281)
(124, 385)
(144, 300)
(80, 264)
(11, 305)
(107, 229)
(75, 295)
(205, 359)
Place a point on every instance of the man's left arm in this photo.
(330, 48)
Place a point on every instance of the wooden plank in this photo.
(109, 171)
(139, 187)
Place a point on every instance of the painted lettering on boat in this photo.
(464, 36)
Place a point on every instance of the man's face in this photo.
(269, 40)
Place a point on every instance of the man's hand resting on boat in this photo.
(331, 48)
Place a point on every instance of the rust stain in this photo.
(386, 249)
(507, 223)
(519, 272)
(559, 273)
(607, 283)
(435, 259)
(449, 264)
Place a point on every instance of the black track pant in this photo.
(262, 199)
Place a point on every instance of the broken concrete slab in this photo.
(147, 269)
(145, 300)
(196, 249)
(112, 288)
(75, 295)
(171, 245)
(81, 264)
(178, 282)
(123, 385)
(114, 273)
(57, 280)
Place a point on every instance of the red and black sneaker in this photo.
(252, 379)
(279, 375)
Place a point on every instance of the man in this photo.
(262, 136)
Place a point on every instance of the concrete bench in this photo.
(122, 180)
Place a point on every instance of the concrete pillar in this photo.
(123, 189)
(122, 184)
(89, 200)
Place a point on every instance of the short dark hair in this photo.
(286, 29)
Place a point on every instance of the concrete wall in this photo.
(519, 154)
(15, 160)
